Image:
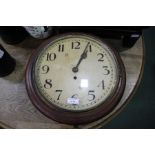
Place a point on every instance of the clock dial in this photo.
(94, 81)
(75, 76)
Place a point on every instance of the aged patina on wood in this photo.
(17, 111)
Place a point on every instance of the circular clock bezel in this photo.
(74, 117)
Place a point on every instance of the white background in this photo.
(79, 12)
(77, 142)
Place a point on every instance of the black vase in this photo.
(13, 34)
(7, 63)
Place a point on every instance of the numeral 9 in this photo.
(45, 69)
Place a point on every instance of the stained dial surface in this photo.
(76, 72)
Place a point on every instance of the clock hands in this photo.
(83, 56)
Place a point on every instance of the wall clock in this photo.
(75, 78)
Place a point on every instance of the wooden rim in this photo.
(69, 117)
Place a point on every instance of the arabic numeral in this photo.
(60, 92)
(51, 56)
(48, 84)
(91, 95)
(61, 48)
(45, 69)
(106, 70)
(76, 45)
(102, 84)
(101, 57)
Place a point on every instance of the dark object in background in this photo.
(127, 34)
(7, 63)
(140, 112)
(13, 34)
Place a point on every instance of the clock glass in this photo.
(75, 73)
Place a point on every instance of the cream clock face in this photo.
(76, 72)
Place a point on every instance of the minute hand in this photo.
(83, 56)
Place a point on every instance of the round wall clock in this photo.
(75, 78)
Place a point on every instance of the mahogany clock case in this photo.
(66, 116)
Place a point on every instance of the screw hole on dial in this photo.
(75, 77)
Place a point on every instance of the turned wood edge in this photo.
(100, 125)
